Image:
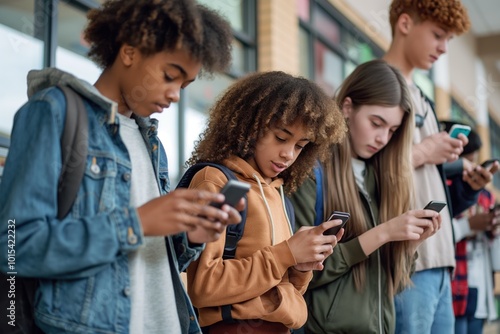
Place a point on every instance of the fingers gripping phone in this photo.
(233, 191)
(457, 129)
(344, 216)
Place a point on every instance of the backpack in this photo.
(233, 232)
(74, 148)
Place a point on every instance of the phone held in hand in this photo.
(233, 191)
(343, 216)
(435, 206)
(488, 163)
(457, 129)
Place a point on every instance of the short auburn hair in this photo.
(450, 14)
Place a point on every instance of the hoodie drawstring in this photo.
(269, 209)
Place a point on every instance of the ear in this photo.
(347, 107)
(404, 23)
(127, 54)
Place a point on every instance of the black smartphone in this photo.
(487, 164)
(344, 216)
(233, 191)
(435, 206)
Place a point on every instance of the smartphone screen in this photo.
(458, 128)
(344, 216)
(233, 191)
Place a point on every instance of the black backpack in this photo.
(74, 148)
(233, 232)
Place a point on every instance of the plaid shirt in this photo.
(459, 285)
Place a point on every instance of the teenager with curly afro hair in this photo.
(422, 30)
(116, 256)
(269, 129)
(155, 26)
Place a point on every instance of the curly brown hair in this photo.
(450, 14)
(159, 25)
(260, 101)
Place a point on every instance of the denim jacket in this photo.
(81, 260)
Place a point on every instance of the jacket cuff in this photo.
(283, 256)
(352, 252)
(185, 251)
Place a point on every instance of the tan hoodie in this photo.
(260, 282)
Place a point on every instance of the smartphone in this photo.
(233, 191)
(487, 164)
(435, 206)
(456, 129)
(344, 216)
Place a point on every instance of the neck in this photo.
(395, 57)
(106, 84)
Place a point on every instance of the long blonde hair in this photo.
(375, 83)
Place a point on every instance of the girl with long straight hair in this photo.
(368, 175)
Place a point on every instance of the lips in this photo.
(279, 167)
(160, 107)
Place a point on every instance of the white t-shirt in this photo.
(153, 307)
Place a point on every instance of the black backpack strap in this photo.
(233, 232)
(74, 149)
(290, 212)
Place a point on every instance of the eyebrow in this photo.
(291, 134)
(182, 70)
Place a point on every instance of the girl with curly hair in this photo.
(112, 264)
(368, 175)
(269, 129)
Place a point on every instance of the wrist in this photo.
(418, 156)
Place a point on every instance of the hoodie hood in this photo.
(49, 77)
(246, 171)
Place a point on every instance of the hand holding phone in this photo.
(233, 191)
(344, 216)
(457, 129)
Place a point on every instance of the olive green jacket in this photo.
(334, 304)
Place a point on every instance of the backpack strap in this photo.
(318, 207)
(290, 212)
(234, 232)
(74, 149)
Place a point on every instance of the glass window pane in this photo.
(303, 9)
(21, 52)
(238, 63)
(328, 68)
(231, 9)
(71, 53)
(304, 54)
(357, 49)
(349, 66)
(326, 25)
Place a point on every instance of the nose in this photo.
(173, 94)
(287, 152)
(383, 137)
(443, 46)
